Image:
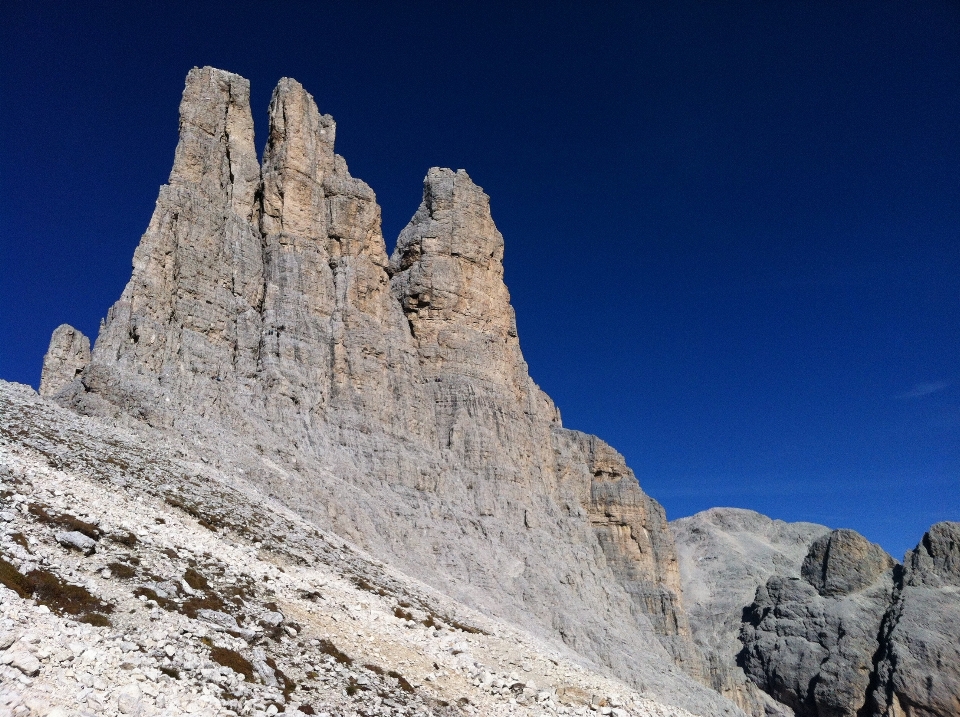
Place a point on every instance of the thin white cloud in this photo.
(925, 389)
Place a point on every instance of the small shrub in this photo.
(96, 619)
(195, 580)
(401, 680)
(328, 648)
(151, 595)
(11, 578)
(175, 502)
(62, 598)
(127, 539)
(234, 660)
(122, 570)
(402, 614)
(288, 685)
(205, 602)
(467, 628)
(365, 585)
(68, 522)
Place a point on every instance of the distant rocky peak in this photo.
(843, 562)
(936, 560)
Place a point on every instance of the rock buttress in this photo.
(387, 400)
(190, 315)
(66, 357)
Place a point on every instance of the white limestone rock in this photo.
(67, 356)
(386, 399)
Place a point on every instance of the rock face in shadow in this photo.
(67, 356)
(725, 554)
(918, 671)
(384, 398)
(810, 642)
(794, 619)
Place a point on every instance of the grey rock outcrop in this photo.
(835, 627)
(725, 554)
(918, 670)
(67, 356)
(77, 541)
(844, 562)
(810, 642)
(386, 399)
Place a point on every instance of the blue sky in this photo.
(733, 228)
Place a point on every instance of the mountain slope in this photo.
(137, 579)
(385, 399)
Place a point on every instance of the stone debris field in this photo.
(115, 602)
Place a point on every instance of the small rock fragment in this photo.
(218, 619)
(26, 662)
(272, 619)
(77, 541)
(128, 699)
(262, 669)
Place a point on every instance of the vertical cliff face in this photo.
(67, 356)
(384, 398)
(918, 666)
(490, 420)
(190, 315)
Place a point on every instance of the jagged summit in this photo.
(67, 356)
(386, 399)
(266, 333)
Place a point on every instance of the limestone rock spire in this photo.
(190, 313)
(216, 154)
(449, 264)
(67, 356)
(387, 399)
(448, 277)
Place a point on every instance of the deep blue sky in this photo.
(733, 228)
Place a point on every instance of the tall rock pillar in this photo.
(189, 317)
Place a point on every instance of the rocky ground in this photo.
(121, 597)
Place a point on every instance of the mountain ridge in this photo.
(385, 399)
(271, 313)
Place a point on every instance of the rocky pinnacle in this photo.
(67, 356)
(383, 398)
